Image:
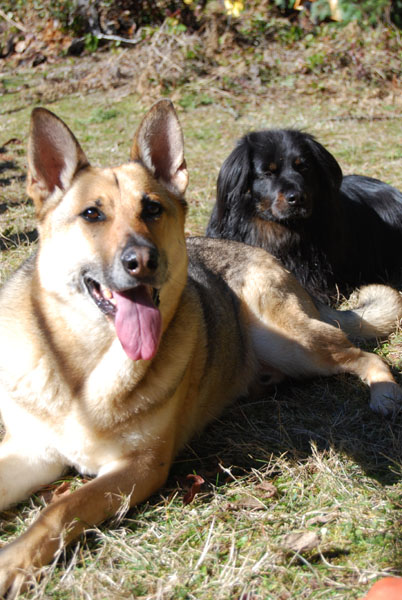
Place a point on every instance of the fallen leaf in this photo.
(300, 541)
(246, 502)
(21, 46)
(322, 519)
(267, 489)
(53, 491)
(195, 487)
(50, 493)
(12, 140)
(62, 490)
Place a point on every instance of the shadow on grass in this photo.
(18, 239)
(327, 413)
(4, 181)
(7, 165)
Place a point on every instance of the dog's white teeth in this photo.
(106, 293)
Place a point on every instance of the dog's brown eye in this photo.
(270, 170)
(93, 214)
(300, 165)
(151, 209)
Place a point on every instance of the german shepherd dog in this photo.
(118, 343)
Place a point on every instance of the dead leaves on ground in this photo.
(197, 482)
(300, 541)
(54, 491)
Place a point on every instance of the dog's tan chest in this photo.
(73, 440)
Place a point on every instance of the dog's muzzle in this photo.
(140, 261)
(291, 205)
(104, 297)
(128, 293)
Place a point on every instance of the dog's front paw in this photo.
(15, 571)
(386, 398)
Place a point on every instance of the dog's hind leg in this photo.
(288, 334)
(385, 393)
(301, 346)
(336, 354)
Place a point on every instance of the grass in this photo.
(308, 459)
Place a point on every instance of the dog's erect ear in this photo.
(54, 156)
(158, 144)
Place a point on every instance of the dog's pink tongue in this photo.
(138, 323)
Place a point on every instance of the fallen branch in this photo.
(4, 16)
(115, 38)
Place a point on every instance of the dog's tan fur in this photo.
(70, 395)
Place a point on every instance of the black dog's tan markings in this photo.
(118, 343)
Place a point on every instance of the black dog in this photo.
(283, 191)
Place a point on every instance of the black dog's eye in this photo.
(271, 169)
(93, 215)
(150, 209)
(300, 164)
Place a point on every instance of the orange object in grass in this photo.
(388, 588)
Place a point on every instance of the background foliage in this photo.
(124, 17)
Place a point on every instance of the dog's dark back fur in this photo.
(283, 191)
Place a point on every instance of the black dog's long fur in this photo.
(283, 191)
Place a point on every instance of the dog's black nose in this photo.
(140, 261)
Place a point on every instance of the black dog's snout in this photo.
(140, 261)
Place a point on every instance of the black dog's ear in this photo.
(233, 183)
(330, 169)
